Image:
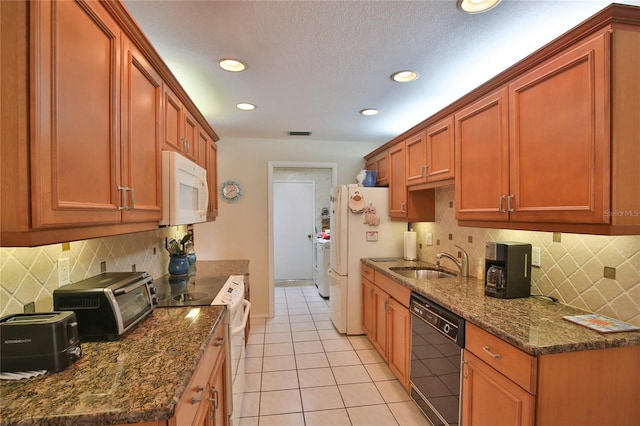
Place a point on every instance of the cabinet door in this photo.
(203, 146)
(173, 121)
(141, 149)
(212, 178)
(399, 326)
(217, 396)
(380, 310)
(380, 164)
(75, 143)
(482, 159)
(440, 149)
(489, 398)
(367, 307)
(190, 136)
(397, 183)
(416, 159)
(559, 138)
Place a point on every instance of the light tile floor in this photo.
(301, 371)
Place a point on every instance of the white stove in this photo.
(238, 308)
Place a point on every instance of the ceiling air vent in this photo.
(298, 133)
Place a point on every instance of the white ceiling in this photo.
(312, 65)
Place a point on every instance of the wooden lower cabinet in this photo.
(386, 320)
(399, 340)
(489, 398)
(203, 403)
(367, 306)
(502, 385)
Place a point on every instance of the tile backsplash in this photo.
(31, 274)
(571, 270)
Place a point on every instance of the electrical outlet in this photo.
(535, 256)
(64, 277)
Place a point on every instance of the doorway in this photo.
(278, 171)
(293, 229)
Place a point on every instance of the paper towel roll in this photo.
(410, 245)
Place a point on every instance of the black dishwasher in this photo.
(437, 339)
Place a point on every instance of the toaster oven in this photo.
(109, 304)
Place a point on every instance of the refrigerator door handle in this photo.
(338, 222)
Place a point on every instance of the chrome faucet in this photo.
(462, 265)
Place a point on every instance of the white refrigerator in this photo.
(356, 233)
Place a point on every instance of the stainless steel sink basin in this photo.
(421, 272)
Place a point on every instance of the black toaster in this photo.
(39, 341)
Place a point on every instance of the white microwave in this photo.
(185, 195)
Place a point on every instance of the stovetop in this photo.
(185, 290)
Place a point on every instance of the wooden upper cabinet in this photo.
(75, 141)
(416, 159)
(191, 136)
(397, 183)
(141, 142)
(380, 164)
(212, 177)
(173, 121)
(440, 151)
(482, 158)
(83, 102)
(547, 150)
(560, 150)
(180, 127)
(429, 154)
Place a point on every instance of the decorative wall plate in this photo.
(230, 191)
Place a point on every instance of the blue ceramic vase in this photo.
(178, 265)
(371, 178)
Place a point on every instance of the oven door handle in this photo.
(247, 308)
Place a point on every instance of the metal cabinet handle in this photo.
(487, 349)
(509, 198)
(213, 399)
(500, 209)
(195, 400)
(402, 207)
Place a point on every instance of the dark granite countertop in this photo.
(532, 324)
(139, 378)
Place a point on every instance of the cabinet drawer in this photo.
(393, 288)
(367, 272)
(517, 365)
(195, 392)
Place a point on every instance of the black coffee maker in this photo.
(507, 270)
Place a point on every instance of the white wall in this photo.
(241, 229)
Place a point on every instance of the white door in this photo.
(293, 229)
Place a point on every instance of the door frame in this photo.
(288, 164)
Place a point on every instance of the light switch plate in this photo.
(429, 239)
(535, 256)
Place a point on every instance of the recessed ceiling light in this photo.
(477, 6)
(404, 76)
(369, 111)
(245, 106)
(232, 65)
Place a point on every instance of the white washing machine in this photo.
(321, 266)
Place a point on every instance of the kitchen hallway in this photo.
(301, 371)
